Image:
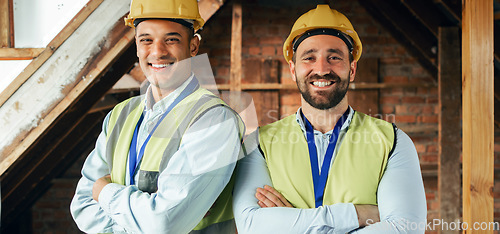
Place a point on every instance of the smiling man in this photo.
(163, 161)
(328, 168)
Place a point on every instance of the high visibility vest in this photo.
(356, 171)
(164, 142)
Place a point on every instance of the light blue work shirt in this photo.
(400, 195)
(193, 179)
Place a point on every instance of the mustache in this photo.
(330, 76)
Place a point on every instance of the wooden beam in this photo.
(20, 53)
(52, 47)
(478, 127)
(450, 85)
(417, 39)
(121, 39)
(209, 7)
(235, 70)
(428, 13)
(6, 24)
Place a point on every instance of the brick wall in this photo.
(414, 110)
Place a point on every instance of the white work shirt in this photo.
(400, 195)
(193, 179)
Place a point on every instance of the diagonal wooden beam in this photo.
(208, 8)
(51, 47)
(407, 30)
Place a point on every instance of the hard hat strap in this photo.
(324, 31)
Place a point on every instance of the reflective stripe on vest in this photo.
(162, 145)
(357, 168)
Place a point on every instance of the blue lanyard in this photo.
(319, 180)
(133, 158)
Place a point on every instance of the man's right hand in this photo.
(367, 214)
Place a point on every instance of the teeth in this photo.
(322, 83)
(159, 65)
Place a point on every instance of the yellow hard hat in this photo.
(165, 9)
(322, 18)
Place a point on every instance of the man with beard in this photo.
(328, 168)
(163, 161)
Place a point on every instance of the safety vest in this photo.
(356, 170)
(162, 145)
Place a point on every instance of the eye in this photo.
(334, 57)
(145, 40)
(308, 58)
(172, 40)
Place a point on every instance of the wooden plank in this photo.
(5, 22)
(20, 53)
(52, 46)
(428, 13)
(235, 70)
(478, 127)
(417, 39)
(364, 100)
(450, 85)
(208, 7)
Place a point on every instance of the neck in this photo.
(159, 94)
(324, 120)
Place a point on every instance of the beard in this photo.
(324, 99)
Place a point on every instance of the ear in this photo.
(194, 46)
(353, 68)
(291, 65)
(136, 45)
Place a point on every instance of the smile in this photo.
(160, 65)
(322, 83)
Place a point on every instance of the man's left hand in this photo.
(269, 197)
(99, 185)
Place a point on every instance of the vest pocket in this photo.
(148, 181)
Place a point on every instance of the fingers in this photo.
(269, 197)
(283, 200)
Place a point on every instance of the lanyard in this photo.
(134, 159)
(319, 180)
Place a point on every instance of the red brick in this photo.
(254, 50)
(290, 99)
(387, 109)
(268, 50)
(396, 79)
(390, 100)
(432, 100)
(390, 60)
(405, 119)
(401, 109)
(272, 40)
(428, 119)
(413, 100)
(431, 149)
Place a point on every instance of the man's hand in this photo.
(367, 214)
(269, 197)
(99, 184)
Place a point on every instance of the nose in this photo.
(322, 66)
(158, 49)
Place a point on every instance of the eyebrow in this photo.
(337, 51)
(167, 34)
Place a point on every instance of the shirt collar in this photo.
(346, 124)
(166, 101)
